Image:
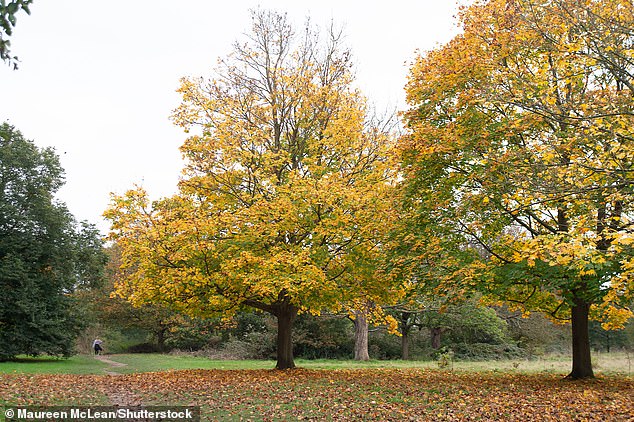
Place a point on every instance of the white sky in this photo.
(97, 79)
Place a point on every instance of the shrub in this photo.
(323, 338)
(485, 351)
(143, 348)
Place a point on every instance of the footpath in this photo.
(115, 386)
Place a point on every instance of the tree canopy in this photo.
(285, 193)
(8, 20)
(518, 163)
(44, 254)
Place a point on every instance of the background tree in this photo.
(283, 200)
(8, 11)
(535, 333)
(467, 324)
(363, 313)
(521, 143)
(110, 316)
(45, 255)
(407, 321)
(609, 340)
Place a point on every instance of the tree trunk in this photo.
(160, 339)
(436, 334)
(361, 336)
(405, 328)
(405, 345)
(285, 314)
(581, 360)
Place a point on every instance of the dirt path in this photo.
(115, 386)
(112, 364)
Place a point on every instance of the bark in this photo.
(361, 336)
(405, 345)
(285, 314)
(405, 328)
(581, 359)
(160, 339)
(436, 337)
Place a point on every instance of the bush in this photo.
(143, 348)
(323, 337)
(536, 334)
(115, 341)
(251, 346)
(486, 351)
(237, 349)
(444, 358)
(382, 345)
(196, 335)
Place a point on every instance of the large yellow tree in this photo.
(519, 163)
(284, 198)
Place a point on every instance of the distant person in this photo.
(96, 345)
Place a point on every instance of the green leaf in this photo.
(12, 8)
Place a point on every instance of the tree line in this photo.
(512, 181)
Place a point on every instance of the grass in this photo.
(609, 364)
(79, 364)
(159, 362)
(618, 363)
(156, 362)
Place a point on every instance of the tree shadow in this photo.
(35, 359)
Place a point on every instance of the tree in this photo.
(406, 322)
(283, 200)
(361, 329)
(104, 310)
(44, 254)
(519, 165)
(8, 11)
(608, 340)
(466, 321)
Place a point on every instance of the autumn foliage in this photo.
(518, 164)
(516, 172)
(285, 193)
(387, 394)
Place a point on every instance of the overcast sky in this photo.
(97, 79)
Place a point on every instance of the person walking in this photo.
(96, 345)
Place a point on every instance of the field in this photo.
(327, 390)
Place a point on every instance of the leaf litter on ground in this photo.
(356, 394)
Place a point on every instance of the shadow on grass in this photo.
(35, 359)
(46, 364)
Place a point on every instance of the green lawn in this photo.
(610, 364)
(80, 364)
(158, 362)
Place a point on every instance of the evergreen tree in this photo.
(44, 254)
